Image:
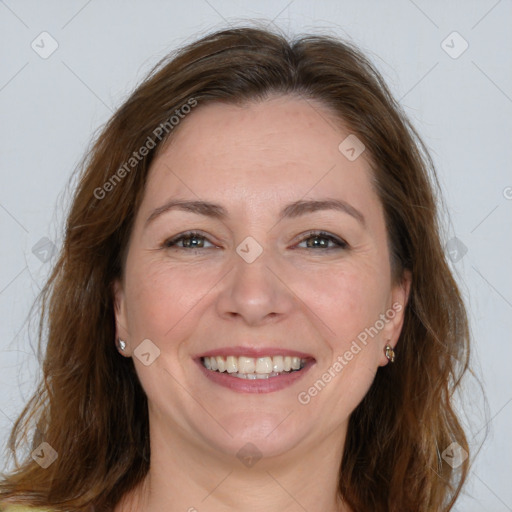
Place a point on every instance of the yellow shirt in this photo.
(21, 508)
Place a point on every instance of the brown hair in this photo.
(90, 406)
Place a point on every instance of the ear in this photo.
(396, 313)
(120, 315)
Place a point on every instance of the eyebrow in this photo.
(292, 210)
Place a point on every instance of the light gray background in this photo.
(461, 106)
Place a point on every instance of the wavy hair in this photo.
(89, 405)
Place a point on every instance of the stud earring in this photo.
(390, 353)
(121, 345)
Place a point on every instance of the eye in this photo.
(321, 240)
(191, 240)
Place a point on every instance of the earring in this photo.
(121, 345)
(390, 353)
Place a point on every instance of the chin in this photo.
(256, 434)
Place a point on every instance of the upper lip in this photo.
(254, 352)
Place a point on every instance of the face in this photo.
(259, 279)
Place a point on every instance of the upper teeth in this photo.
(261, 365)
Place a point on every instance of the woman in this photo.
(252, 308)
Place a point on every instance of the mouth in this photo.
(252, 368)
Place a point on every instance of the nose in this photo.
(256, 292)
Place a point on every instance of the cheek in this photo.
(345, 301)
(349, 305)
(161, 306)
(161, 295)
(352, 311)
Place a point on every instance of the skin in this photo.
(254, 160)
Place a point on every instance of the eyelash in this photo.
(340, 244)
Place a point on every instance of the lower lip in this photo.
(255, 385)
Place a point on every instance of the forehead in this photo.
(283, 148)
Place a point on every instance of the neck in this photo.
(187, 477)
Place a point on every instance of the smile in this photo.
(251, 368)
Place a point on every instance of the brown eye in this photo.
(190, 240)
(321, 240)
